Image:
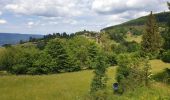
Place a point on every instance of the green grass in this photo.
(131, 38)
(74, 86)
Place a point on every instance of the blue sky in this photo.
(48, 16)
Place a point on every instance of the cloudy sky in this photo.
(48, 16)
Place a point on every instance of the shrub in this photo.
(111, 58)
(163, 76)
(19, 69)
(99, 80)
(166, 56)
(132, 72)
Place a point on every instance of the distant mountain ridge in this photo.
(14, 38)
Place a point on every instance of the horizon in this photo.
(70, 16)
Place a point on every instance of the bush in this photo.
(166, 56)
(111, 58)
(132, 72)
(132, 46)
(19, 69)
(163, 76)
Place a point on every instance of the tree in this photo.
(168, 5)
(99, 79)
(93, 52)
(151, 40)
(61, 60)
(132, 71)
(166, 35)
(59, 57)
(8, 56)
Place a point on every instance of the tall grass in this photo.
(74, 86)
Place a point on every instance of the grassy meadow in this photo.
(75, 86)
(130, 38)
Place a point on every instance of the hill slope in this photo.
(161, 19)
(13, 38)
(75, 86)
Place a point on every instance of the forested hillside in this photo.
(160, 17)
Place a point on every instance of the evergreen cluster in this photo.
(151, 40)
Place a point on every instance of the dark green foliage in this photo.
(59, 55)
(18, 60)
(55, 56)
(83, 51)
(119, 48)
(166, 34)
(6, 45)
(126, 47)
(132, 72)
(42, 65)
(111, 58)
(136, 31)
(132, 46)
(117, 34)
(151, 40)
(41, 45)
(99, 79)
(93, 52)
(168, 5)
(163, 76)
(8, 58)
(166, 56)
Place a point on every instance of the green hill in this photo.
(161, 19)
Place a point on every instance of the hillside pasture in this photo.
(75, 86)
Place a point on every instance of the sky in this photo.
(51, 16)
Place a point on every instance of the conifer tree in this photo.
(166, 35)
(168, 5)
(151, 40)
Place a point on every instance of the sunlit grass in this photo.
(73, 86)
(130, 38)
(158, 65)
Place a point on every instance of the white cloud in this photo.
(2, 21)
(119, 6)
(47, 8)
(70, 21)
(31, 24)
(0, 13)
(69, 15)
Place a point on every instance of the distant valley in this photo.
(14, 38)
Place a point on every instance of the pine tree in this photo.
(151, 40)
(168, 5)
(166, 35)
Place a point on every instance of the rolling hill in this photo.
(14, 38)
(161, 19)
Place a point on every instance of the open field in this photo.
(74, 86)
(130, 38)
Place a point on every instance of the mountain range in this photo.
(14, 38)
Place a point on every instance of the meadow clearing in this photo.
(75, 86)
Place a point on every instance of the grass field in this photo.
(130, 38)
(74, 86)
